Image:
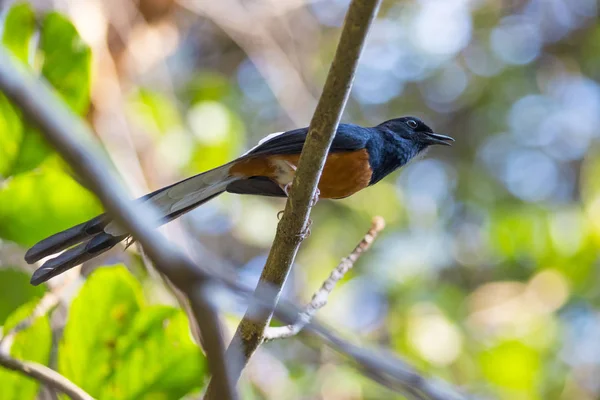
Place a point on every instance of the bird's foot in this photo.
(286, 188)
(128, 242)
(315, 198)
(306, 232)
(279, 214)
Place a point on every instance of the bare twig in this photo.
(245, 28)
(43, 307)
(68, 136)
(319, 298)
(49, 301)
(294, 222)
(44, 375)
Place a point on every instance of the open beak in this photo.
(436, 138)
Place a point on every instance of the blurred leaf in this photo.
(19, 26)
(157, 359)
(155, 113)
(66, 66)
(521, 232)
(67, 61)
(32, 344)
(219, 132)
(42, 202)
(101, 313)
(11, 135)
(590, 184)
(511, 365)
(16, 291)
(32, 152)
(208, 86)
(138, 351)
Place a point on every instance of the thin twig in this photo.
(43, 307)
(294, 222)
(45, 375)
(245, 28)
(319, 298)
(46, 303)
(70, 137)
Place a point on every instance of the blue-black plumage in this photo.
(358, 157)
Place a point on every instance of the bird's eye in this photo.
(412, 123)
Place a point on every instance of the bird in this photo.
(359, 157)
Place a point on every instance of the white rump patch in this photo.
(263, 140)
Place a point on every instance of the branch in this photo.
(70, 137)
(388, 370)
(294, 222)
(46, 303)
(67, 134)
(319, 299)
(45, 375)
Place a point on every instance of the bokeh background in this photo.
(487, 273)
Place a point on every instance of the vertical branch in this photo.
(294, 221)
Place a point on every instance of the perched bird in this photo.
(358, 157)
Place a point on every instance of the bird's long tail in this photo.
(100, 234)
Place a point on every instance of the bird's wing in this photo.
(348, 138)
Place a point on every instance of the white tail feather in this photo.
(184, 194)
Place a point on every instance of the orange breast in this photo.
(345, 173)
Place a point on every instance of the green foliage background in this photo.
(486, 274)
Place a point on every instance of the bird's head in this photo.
(415, 131)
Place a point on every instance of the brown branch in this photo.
(45, 375)
(319, 298)
(294, 222)
(70, 137)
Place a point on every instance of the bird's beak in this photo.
(436, 138)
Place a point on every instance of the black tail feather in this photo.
(89, 239)
(77, 255)
(65, 239)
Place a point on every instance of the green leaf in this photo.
(101, 313)
(157, 359)
(32, 344)
(34, 149)
(67, 61)
(42, 202)
(11, 135)
(19, 27)
(153, 112)
(511, 365)
(66, 66)
(138, 351)
(208, 86)
(16, 291)
(219, 132)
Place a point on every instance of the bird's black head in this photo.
(397, 142)
(415, 131)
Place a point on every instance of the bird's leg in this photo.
(306, 232)
(315, 198)
(129, 241)
(286, 188)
